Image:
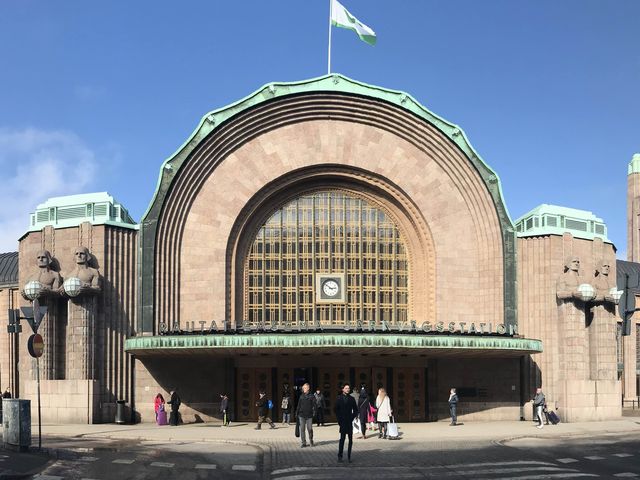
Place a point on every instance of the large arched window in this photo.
(327, 232)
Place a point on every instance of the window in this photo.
(327, 232)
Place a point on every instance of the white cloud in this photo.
(35, 165)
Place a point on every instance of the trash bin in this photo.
(120, 412)
(16, 420)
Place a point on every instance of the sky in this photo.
(94, 96)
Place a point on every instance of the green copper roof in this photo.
(634, 164)
(554, 220)
(72, 210)
(318, 341)
(327, 83)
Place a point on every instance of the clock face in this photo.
(330, 288)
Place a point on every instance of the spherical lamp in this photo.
(32, 289)
(72, 286)
(587, 292)
(615, 294)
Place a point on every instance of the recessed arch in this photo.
(379, 191)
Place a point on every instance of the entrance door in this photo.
(250, 382)
(330, 381)
(408, 390)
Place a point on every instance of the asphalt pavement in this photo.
(500, 450)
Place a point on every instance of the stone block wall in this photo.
(65, 401)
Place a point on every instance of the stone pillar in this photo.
(630, 363)
(49, 331)
(80, 361)
(574, 341)
(602, 343)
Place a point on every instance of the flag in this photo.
(340, 17)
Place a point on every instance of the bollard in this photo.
(16, 420)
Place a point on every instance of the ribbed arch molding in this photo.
(186, 268)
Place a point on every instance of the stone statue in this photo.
(89, 277)
(567, 283)
(50, 279)
(601, 282)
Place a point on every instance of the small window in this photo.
(529, 224)
(575, 225)
(599, 229)
(552, 221)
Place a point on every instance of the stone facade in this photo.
(186, 265)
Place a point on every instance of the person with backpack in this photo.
(304, 414)
(264, 406)
(320, 406)
(363, 409)
(286, 408)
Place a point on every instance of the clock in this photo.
(330, 288)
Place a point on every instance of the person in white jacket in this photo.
(383, 404)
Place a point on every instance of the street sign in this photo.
(34, 315)
(35, 345)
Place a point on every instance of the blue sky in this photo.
(95, 95)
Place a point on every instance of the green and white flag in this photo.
(340, 17)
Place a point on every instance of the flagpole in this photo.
(329, 56)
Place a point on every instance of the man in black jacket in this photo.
(263, 411)
(175, 405)
(320, 404)
(224, 409)
(304, 414)
(346, 410)
(453, 406)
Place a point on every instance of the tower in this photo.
(633, 209)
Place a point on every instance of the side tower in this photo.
(633, 209)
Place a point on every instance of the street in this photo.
(594, 456)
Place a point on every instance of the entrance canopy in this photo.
(304, 343)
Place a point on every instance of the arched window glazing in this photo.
(333, 232)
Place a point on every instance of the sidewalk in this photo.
(410, 432)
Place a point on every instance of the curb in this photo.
(502, 441)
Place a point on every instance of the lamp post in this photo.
(587, 292)
(32, 291)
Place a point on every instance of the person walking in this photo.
(158, 404)
(224, 409)
(383, 404)
(263, 411)
(453, 406)
(363, 409)
(320, 406)
(538, 404)
(286, 407)
(346, 411)
(304, 414)
(175, 403)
